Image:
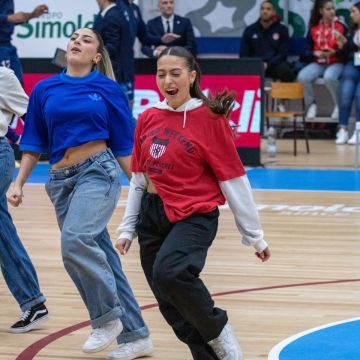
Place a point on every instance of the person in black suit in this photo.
(119, 23)
(114, 29)
(168, 22)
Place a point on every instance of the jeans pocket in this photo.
(110, 169)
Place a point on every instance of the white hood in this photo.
(193, 103)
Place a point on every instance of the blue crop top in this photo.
(67, 111)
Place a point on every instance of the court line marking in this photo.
(36, 347)
(276, 350)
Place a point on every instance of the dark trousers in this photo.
(172, 257)
(282, 72)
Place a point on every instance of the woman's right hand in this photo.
(15, 195)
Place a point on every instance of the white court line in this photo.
(276, 350)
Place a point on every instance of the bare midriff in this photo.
(80, 153)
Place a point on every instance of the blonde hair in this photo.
(104, 65)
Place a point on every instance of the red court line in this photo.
(36, 347)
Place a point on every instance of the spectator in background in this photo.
(16, 266)
(350, 81)
(323, 50)
(168, 22)
(139, 30)
(268, 39)
(8, 20)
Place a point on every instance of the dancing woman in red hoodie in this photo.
(184, 165)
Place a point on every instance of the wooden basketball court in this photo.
(313, 277)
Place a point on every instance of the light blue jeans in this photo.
(16, 266)
(85, 196)
(349, 91)
(330, 73)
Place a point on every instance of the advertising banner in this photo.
(246, 114)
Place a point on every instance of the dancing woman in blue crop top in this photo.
(82, 118)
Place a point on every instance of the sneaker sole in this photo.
(29, 327)
(104, 346)
(145, 352)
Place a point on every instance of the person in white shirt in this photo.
(17, 268)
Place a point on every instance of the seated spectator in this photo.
(168, 22)
(350, 82)
(268, 39)
(323, 50)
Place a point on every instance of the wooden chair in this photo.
(288, 91)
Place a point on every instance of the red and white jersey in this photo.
(186, 154)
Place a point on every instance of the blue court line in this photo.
(338, 340)
(304, 179)
(269, 179)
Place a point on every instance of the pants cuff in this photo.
(30, 303)
(133, 335)
(113, 314)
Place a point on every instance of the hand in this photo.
(340, 37)
(19, 17)
(123, 245)
(319, 54)
(264, 255)
(159, 49)
(15, 196)
(169, 37)
(38, 11)
(265, 66)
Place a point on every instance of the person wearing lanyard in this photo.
(88, 137)
(323, 50)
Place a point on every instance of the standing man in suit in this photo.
(114, 29)
(168, 22)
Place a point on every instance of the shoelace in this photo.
(25, 315)
(97, 333)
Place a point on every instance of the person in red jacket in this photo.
(184, 165)
(323, 49)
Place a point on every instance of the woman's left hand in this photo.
(123, 245)
(264, 255)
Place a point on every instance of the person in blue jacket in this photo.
(169, 22)
(88, 136)
(268, 39)
(8, 20)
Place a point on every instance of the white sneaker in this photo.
(100, 338)
(352, 140)
(132, 350)
(281, 107)
(312, 111)
(226, 345)
(335, 113)
(342, 136)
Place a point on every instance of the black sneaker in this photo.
(30, 319)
